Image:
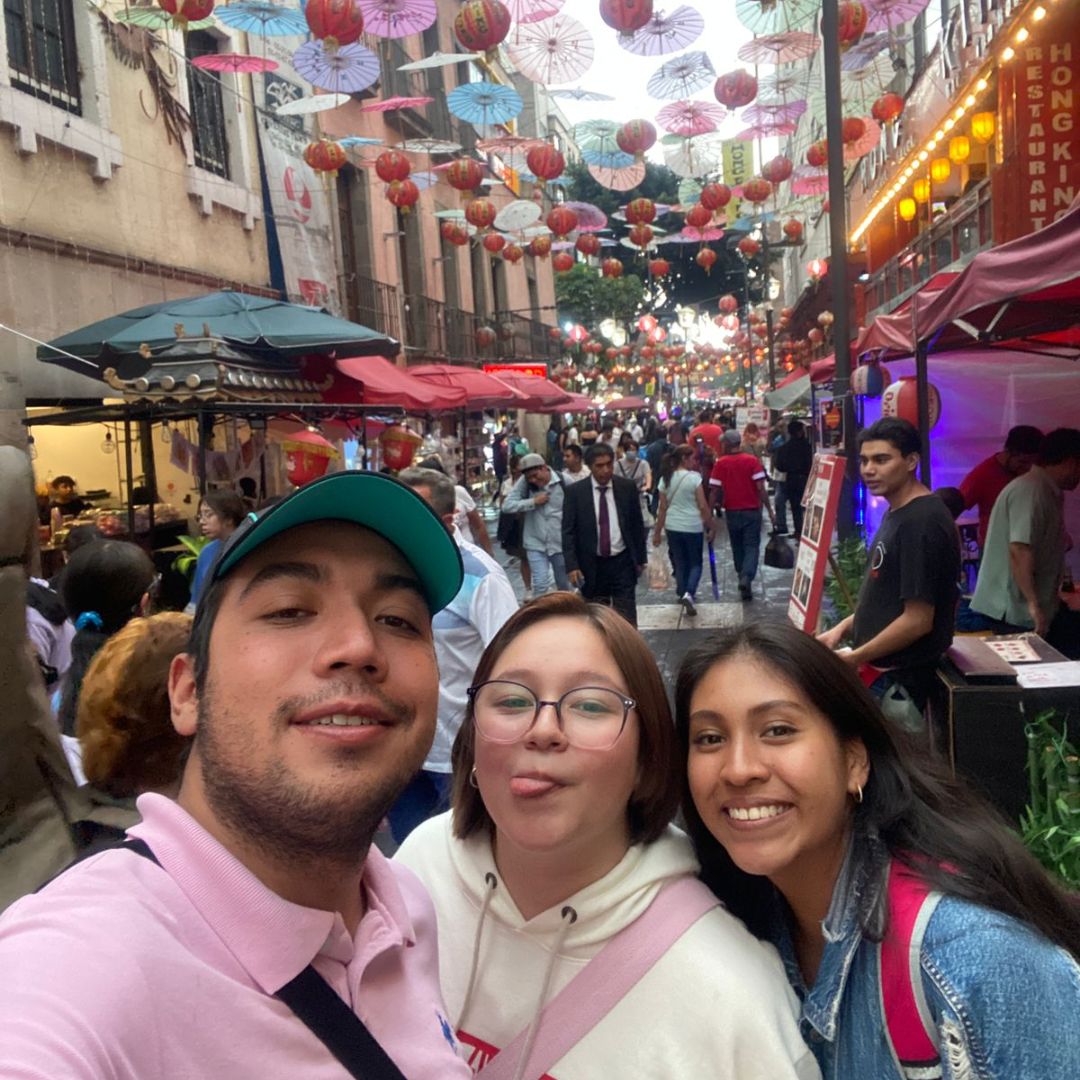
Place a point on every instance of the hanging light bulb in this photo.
(108, 446)
(166, 432)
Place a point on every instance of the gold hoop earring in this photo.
(858, 793)
(472, 778)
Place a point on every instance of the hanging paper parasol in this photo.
(691, 118)
(596, 135)
(867, 48)
(707, 235)
(886, 14)
(430, 146)
(774, 113)
(517, 215)
(234, 63)
(395, 103)
(508, 145)
(262, 17)
(316, 104)
(579, 94)
(347, 70)
(484, 103)
(681, 77)
(779, 49)
(440, 59)
(397, 18)
(695, 157)
(530, 11)
(815, 183)
(775, 16)
(590, 218)
(766, 131)
(351, 142)
(859, 88)
(781, 85)
(156, 19)
(607, 159)
(618, 179)
(424, 180)
(553, 51)
(866, 142)
(689, 191)
(664, 33)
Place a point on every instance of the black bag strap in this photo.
(314, 1002)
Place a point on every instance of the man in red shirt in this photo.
(988, 479)
(709, 432)
(741, 478)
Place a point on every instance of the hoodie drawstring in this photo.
(491, 883)
(569, 917)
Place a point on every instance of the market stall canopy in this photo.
(1023, 292)
(483, 391)
(256, 324)
(795, 386)
(894, 334)
(622, 403)
(577, 403)
(384, 383)
(541, 395)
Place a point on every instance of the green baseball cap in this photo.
(373, 500)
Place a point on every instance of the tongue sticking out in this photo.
(531, 786)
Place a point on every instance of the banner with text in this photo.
(821, 500)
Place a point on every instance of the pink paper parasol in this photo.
(867, 48)
(665, 33)
(779, 49)
(395, 103)
(590, 218)
(623, 179)
(530, 11)
(397, 18)
(508, 145)
(552, 51)
(707, 235)
(774, 112)
(885, 14)
(347, 70)
(816, 183)
(867, 141)
(766, 131)
(691, 117)
(236, 63)
(681, 77)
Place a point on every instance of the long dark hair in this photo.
(103, 581)
(671, 461)
(913, 810)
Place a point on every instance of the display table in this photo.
(984, 730)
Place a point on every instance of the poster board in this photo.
(821, 501)
(509, 368)
(756, 414)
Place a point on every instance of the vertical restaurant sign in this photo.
(738, 168)
(821, 502)
(1039, 93)
(300, 199)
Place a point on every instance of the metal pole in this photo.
(130, 479)
(838, 263)
(772, 347)
(922, 387)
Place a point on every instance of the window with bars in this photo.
(41, 50)
(209, 139)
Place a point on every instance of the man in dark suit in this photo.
(603, 534)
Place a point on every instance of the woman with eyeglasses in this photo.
(220, 515)
(574, 939)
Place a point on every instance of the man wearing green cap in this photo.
(249, 925)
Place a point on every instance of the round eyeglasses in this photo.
(590, 717)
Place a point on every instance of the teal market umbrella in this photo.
(257, 324)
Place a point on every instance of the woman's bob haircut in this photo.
(656, 796)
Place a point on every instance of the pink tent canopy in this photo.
(577, 403)
(483, 391)
(820, 371)
(631, 402)
(894, 334)
(384, 383)
(541, 394)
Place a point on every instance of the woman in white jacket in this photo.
(566, 776)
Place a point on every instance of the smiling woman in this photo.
(558, 868)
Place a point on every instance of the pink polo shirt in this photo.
(124, 969)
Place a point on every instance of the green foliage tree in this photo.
(584, 296)
(660, 184)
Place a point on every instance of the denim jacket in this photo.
(1005, 1001)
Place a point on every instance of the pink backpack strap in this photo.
(909, 1024)
(606, 979)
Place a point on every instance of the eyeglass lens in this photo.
(591, 717)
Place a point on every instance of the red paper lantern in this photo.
(185, 11)
(612, 268)
(325, 155)
(817, 155)
(464, 174)
(728, 304)
(870, 380)
(392, 165)
(554, 332)
(816, 336)
(494, 242)
(641, 235)
(901, 399)
(749, 247)
(588, 244)
(626, 16)
(334, 22)
(647, 323)
(706, 259)
(757, 190)
(611, 352)
(403, 194)
(647, 352)
(887, 108)
(399, 444)
(715, 197)
(659, 267)
(793, 230)
(641, 212)
(730, 323)
(481, 213)
(562, 221)
(545, 162)
(817, 268)
(482, 25)
(540, 247)
(563, 261)
(852, 129)
(735, 89)
(635, 137)
(698, 217)
(485, 337)
(307, 456)
(777, 170)
(455, 232)
(513, 254)
(852, 16)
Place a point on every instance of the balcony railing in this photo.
(520, 338)
(950, 243)
(374, 304)
(433, 328)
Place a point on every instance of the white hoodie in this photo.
(717, 1005)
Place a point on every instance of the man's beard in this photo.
(273, 813)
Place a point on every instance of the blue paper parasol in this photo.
(607, 159)
(262, 17)
(484, 103)
(347, 70)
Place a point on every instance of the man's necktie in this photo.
(605, 524)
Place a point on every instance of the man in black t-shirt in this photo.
(903, 621)
(794, 459)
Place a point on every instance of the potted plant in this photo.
(1051, 822)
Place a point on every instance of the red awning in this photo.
(820, 371)
(483, 391)
(541, 395)
(894, 334)
(626, 403)
(577, 403)
(384, 383)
